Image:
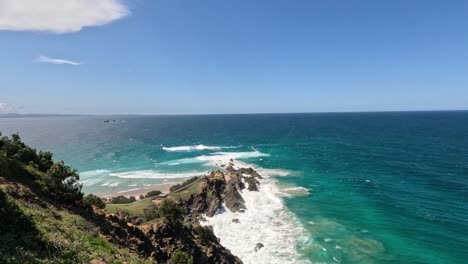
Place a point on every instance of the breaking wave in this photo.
(151, 174)
(265, 221)
(194, 148)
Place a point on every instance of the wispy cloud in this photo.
(46, 59)
(8, 108)
(59, 16)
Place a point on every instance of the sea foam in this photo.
(194, 148)
(89, 178)
(266, 220)
(151, 174)
(218, 158)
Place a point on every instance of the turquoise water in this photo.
(384, 187)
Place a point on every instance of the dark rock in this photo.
(233, 199)
(213, 206)
(252, 182)
(235, 220)
(258, 246)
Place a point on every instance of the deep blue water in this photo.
(384, 187)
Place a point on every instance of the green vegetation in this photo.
(43, 233)
(37, 169)
(37, 199)
(136, 208)
(183, 184)
(153, 193)
(171, 211)
(122, 199)
(95, 200)
(205, 233)
(186, 193)
(180, 257)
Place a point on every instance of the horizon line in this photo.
(253, 113)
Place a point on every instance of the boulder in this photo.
(258, 246)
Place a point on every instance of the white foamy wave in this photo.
(151, 174)
(299, 191)
(273, 172)
(93, 173)
(226, 157)
(131, 190)
(265, 221)
(194, 148)
(89, 178)
(219, 158)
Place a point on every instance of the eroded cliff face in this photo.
(158, 241)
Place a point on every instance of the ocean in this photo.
(388, 187)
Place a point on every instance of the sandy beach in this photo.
(164, 188)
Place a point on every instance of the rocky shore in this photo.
(158, 240)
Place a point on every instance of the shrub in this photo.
(153, 193)
(95, 200)
(122, 199)
(170, 210)
(45, 161)
(61, 182)
(180, 257)
(150, 214)
(205, 233)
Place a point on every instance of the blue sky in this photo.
(212, 56)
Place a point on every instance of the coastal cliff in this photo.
(45, 218)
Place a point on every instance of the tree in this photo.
(180, 257)
(62, 182)
(171, 211)
(44, 160)
(95, 200)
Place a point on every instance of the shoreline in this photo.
(137, 191)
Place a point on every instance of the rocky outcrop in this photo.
(198, 241)
(159, 241)
(222, 186)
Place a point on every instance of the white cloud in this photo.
(46, 59)
(59, 16)
(7, 108)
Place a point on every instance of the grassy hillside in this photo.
(45, 218)
(34, 230)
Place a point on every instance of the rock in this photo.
(252, 182)
(233, 199)
(235, 220)
(213, 206)
(258, 246)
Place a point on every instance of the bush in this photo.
(95, 200)
(153, 193)
(150, 214)
(61, 182)
(122, 199)
(170, 210)
(180, 257)
(205, 233)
